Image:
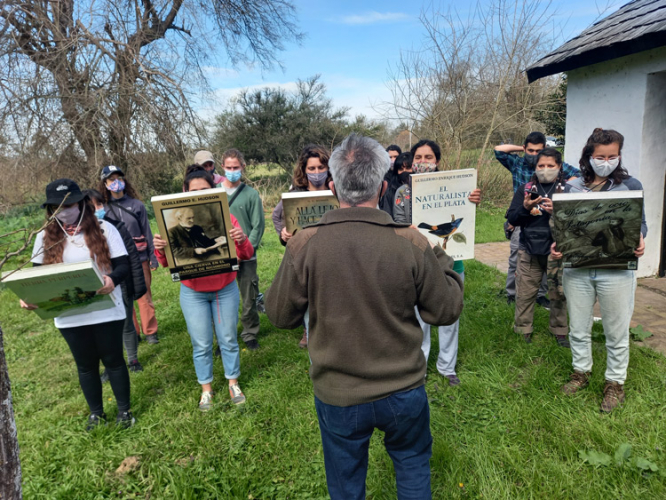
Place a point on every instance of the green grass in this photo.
(489, 224)
(506, 432)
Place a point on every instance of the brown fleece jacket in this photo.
(361, 274)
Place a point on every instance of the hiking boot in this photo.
(510, 299)
(206, 401)
(104, 377)
(237, 396)
(578, 381)
(152, 339)
(613, 396)
(217, 352)
(252, 345)
(135, 366)
(543, 302)
(303, 344)
(453, 379)
(94, 420)
(125, 419)
(563, 341)
(527, 337)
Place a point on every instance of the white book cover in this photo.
(442, 211)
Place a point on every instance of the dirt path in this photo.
(650, 304)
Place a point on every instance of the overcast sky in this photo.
(351, 44)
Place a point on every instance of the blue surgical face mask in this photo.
(100, 213)
(233, 175)
(116, 186)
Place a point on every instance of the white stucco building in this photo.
(616, 72)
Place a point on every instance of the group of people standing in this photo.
(535, 263)
(367, 314)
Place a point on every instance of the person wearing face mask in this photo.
(310, 174)
(397, 177)
(206, 160)
(426, 156)
(122, 203)
(209, 304)
(245, 204)
(522, 170)
(602, 170)
(133, 287)
(530, 210)
(76, 235)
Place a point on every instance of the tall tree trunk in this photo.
(10, 466)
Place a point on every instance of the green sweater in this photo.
(249, 211)
(361, 275)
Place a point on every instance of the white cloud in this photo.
(374, 17)
(217, 72)
(361, 96)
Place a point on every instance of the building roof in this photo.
(638, 26)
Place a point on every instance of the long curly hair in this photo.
(54, 238)
(129, 190)
(310, 151)
(602, 137)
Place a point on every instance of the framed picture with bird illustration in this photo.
(441, 209)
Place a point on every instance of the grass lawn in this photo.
(506, 432)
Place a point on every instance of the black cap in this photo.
(57, 190)
(110, 170)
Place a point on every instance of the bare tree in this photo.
(116, 78)
(465, 86)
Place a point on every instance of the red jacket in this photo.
(244, 251)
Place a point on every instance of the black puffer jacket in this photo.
(135, 282)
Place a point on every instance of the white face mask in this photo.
(547, 175)
(604, 168)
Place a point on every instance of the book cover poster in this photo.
(60, 290)
(196, 226)
(305, 208)
(442, 212)
(599, 230)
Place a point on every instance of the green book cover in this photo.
(304, 208)
(598, 230)
(60, 290)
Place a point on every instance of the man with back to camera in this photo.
(365, 340)
(245, 204)
(522, 169)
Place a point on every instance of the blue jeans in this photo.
(200, 310)
(404, 417)
(615, 290)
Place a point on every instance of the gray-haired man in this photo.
(360, 275)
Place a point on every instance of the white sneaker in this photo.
(237, 396)
(206, 401)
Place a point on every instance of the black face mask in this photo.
(404, 177)
(531, 160)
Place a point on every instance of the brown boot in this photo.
(578, 381)
(303, 344)
(613, 396)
